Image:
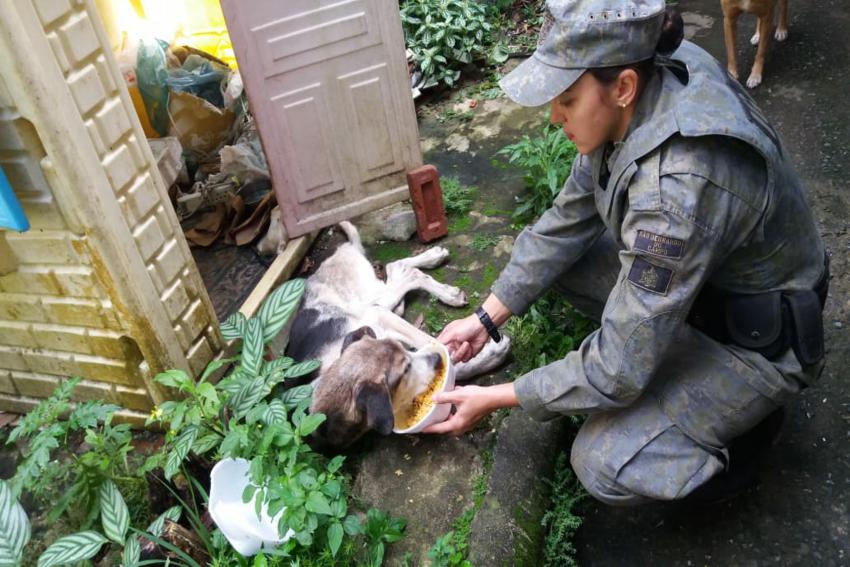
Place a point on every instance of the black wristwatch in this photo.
(492, 330)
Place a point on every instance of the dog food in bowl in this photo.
(422, 411)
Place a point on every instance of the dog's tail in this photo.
(353, 236)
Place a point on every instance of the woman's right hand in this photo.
(464, 338)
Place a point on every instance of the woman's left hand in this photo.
(473, 403)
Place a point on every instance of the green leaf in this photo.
(318, 504)
(14, 527)
(279, 306)
(215, 365)
(335, 464)
(234, 327)
(72, 548)
(205, 443)
(173, 514)
(301, 368)
(293, 396)
(180, 450)
(352, 525)
(207, 390)
(247, 397)
(174, 378)
(275, 413)
(310, 423)
(132, 552)
(252, 348)
(113, 512)
(335, 533)
(277, 365)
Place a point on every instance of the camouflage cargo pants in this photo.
(673, 438)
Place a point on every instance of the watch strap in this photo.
(492, 330)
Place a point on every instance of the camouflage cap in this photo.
(584, 34)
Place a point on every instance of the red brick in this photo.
(427, 197)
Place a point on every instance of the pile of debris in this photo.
(194, 111)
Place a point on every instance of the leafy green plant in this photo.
(80, 546)
(379, 530)
(444, 553)
(546, 162)
(444, 35)
(457, 198)
(243, 416)
(547, 332)
(562, 521)
(42, 433)
(482, 242)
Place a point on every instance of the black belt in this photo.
(768, 323)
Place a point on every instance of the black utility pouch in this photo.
(806, 325)
(758, 322)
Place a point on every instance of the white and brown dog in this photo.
(351, 321)
(763, 9)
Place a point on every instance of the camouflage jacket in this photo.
(700, 191)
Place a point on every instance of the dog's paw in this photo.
(755, 39)
(435, 256)
(781, 35)
(733, 72)
(456, 297)
(754, 81)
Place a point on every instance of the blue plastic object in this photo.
(11, 214)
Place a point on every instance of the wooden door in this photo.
(328, 85)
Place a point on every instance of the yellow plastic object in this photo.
(196, 23)
(139, 105)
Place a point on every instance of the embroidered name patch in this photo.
(650, 277)
(658, 245)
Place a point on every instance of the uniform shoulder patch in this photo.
(650, 277)
(659, 245)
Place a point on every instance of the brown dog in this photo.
(763, 9)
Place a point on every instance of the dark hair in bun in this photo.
(672, 32)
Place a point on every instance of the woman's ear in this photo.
(626, 88)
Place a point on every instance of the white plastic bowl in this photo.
(440, 412)
(238, 520)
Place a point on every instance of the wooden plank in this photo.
(283, 267)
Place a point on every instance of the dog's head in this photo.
(355, 393)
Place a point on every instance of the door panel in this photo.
(328, 85)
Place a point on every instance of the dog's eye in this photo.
(406, 368)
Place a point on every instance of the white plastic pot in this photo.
(439, 412)
(238, 520)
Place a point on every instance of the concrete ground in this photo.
(798, 515)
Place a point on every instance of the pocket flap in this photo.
(754, 321)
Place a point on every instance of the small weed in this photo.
(457, 198)
(546, 162)
(551, 328)
(484, 241)
(463, 282)
(561, 520)
(452, 114)
(460, 224)
(451, 549)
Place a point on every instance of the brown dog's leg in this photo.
(765, 21)
(782, 26)
(730, 20)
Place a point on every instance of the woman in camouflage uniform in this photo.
(685, 231)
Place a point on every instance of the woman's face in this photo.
(589, 113)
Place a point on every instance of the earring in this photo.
(622, 105)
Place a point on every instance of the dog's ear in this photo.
(356, 335)
(374, 400)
